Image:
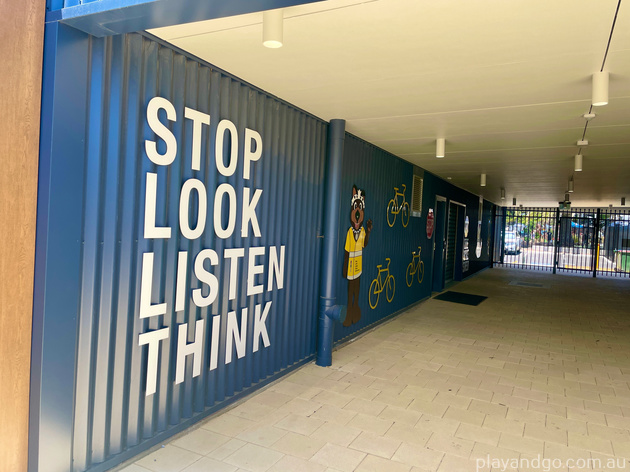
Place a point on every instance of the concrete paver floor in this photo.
(534, 378)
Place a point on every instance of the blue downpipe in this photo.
(328, 311)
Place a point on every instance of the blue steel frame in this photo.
(107, 17)
(57, 272)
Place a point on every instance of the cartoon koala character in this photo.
(356, 239)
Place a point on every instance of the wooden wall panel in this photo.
(21, 47)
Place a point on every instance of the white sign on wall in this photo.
(264, 266)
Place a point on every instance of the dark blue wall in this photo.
(378, 173)
(89, 405)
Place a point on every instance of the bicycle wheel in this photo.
(404, 214)
(409, 275)
(391, 216)
(390, 288)
(420, 271)
(373, 295)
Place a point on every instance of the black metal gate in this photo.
(580, 241)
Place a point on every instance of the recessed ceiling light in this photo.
(449, 178)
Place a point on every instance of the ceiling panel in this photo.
(506, 83)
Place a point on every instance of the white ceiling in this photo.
(505, 82)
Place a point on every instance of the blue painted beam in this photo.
(108, 17)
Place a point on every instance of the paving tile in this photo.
(226, 449)
(375, 445)
(423, 458)
(206, 464)
(450, 445)
(538, 431)
(501, 425)
(254, 458)
(367, 407)
(228, 424)
(292, 464)
(370, 423)
(201, 441)
(478, 434)
(168, 459)
(298, 445)
(452, 463)
(299, 424)
(400, 415)
(262, 434)
(590, 443)
(556, 422)
(341, 435)
(521, 444)
(378, 464)
(490, 409)
(408, 434)
(334, 414)
(133, 468)
(341, 458)
(437, 425)
(333, 398)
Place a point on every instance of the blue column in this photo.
(328, 311)
(58, 248)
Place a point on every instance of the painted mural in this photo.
(357, 238)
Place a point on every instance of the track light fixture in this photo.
(514, 201)
(578, 163)
(502, 194)
(623, 201)
(272, 28)
(571, 185)
(600, 89)
(440, 145)
(483, 180)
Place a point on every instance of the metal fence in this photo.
(577, 240)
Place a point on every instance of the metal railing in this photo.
(578, 240)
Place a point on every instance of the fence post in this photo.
(492, 236)
(595, 249)
(556, 240)
(503, 221)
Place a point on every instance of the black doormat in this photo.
(459, 297)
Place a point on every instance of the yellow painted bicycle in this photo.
(416, 266)
(377, 285)
(394, 207)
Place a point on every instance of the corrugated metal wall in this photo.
(112, 412)
(378, 172)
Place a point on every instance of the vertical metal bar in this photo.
(595, 249)
(503, 223)
(491, 236)
(556, 241)
(336, 136)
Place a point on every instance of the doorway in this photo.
(439, 243)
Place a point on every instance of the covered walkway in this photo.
(539, 370)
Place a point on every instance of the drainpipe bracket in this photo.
(337, 313)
